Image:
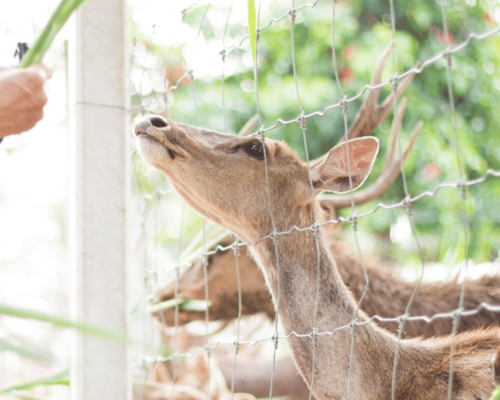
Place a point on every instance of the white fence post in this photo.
(100, 186)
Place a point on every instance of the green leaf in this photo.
(55, 24)
(189, 305)
(61, 378)
(195, 305)
(496, 394)
(25, 349)
(24, 395)
(251, 25)
(63, 322)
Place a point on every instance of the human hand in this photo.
(22, 97)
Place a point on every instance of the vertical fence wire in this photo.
(273, 236)
(458, 311)
(407, 207)
(316, 232)
(353, 217)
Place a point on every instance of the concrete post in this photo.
(99, 193)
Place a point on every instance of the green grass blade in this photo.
(25, 349)
(200, 250)
(251, 25)
(63, 322)
(196, 241)
(189, 305)
(61, 378)
(55, 24)
(23, 395)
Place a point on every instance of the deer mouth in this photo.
(142, 133)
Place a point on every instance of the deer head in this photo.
(224, 176)
(223, 288)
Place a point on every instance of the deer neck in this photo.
(290, 269)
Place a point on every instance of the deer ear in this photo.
(331, 172)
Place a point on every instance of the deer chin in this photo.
(156, 148)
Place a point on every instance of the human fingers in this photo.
(45, 71)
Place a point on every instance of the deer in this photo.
(236, 182)
(388, 294)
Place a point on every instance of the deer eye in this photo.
(255, 149)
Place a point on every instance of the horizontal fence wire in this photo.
(404, 204)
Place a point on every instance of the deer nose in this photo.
(158, 122)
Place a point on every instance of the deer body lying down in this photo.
(387, 295)
(224, 178)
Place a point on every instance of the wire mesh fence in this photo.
(155, 279)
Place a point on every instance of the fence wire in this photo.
(151, 273)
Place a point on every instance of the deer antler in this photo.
(370, 114)
(389, 174)
(247, 128)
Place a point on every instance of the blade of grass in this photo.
(189, 305)
(61, 378)
(63, 322)
(200, 250)
(251, 25)
(25, 349)
(55, 24)
(196, 241)
(24, 395)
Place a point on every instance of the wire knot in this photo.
(407, 205)
(257, 35)
(461, 186)
(236, 346)
(183, 13)
(402, 320)
(292, 15)
(352, 326)
(394, 82)
(353, 219)
(456, 316)
(204, 259)
(302, 121)
(262, 134)
(236, 248)
(447, 57)
(190, 75)
(315, 229)
(207, 349)
(275, 339)
(223, 54)
(343, 104)
(274, 237)
(314, 335)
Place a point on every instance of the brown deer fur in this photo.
(387, 296)
(221, 178)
